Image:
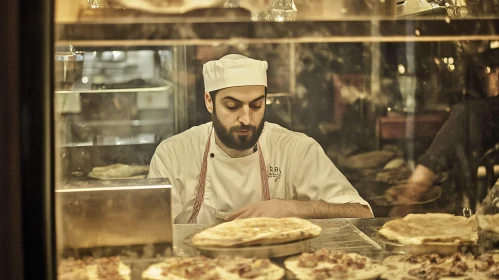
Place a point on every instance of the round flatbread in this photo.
(213, 269)
(325, 264)
(256, 231)
(434, 266)
(119, 171)
(249, 268)
(416, 229)
(93, 269)
(182, 268)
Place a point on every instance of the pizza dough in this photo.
(256, 231)
(416, 229)
(434, 266)
(119, 171)
(324, 264)
(93, 269)
(213, 269)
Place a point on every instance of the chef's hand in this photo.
(405, 194)
(274, 208)
(403, 197)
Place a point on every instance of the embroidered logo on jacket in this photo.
(274, 172)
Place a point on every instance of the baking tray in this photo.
(264, 251)
(341, 235)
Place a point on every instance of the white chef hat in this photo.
(234, 70)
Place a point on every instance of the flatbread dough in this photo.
(119, 171)
(256, 231)
(93, 269)
(434, 266)
(202, 268)
(417, 229)
(324, 264)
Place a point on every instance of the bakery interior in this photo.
(372, 81)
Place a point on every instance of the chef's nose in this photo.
(245, 117)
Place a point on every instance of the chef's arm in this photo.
(319, 209)
(313, 209)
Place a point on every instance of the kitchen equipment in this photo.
(98, 214)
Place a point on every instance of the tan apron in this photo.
(210, 211)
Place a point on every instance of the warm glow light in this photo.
(401, 69)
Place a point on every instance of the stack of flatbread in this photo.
(417, 229)
(256, 231)
(119, 171)
(201, 268)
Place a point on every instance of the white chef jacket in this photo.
(297, 168)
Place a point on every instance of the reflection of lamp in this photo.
(232, 4)
(282, 10)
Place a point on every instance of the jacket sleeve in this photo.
(161, 167)
(316, 177)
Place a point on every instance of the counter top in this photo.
(350, 235)
(353, 235)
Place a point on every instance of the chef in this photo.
(239, 166)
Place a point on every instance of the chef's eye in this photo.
(256, 106)
(231, 106)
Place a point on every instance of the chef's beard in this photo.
(237, 142)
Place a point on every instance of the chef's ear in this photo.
(209, 102)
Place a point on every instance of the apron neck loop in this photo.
(202, 180)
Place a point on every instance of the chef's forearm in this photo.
(319, 209)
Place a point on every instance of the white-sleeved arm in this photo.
(161, 167)
(316, 177)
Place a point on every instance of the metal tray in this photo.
(264, 251)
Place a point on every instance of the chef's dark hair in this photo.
(214, 93)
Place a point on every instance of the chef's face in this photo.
(238, 115)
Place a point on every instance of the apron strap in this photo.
(202, 181)
(263, 176)
(201, 184)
